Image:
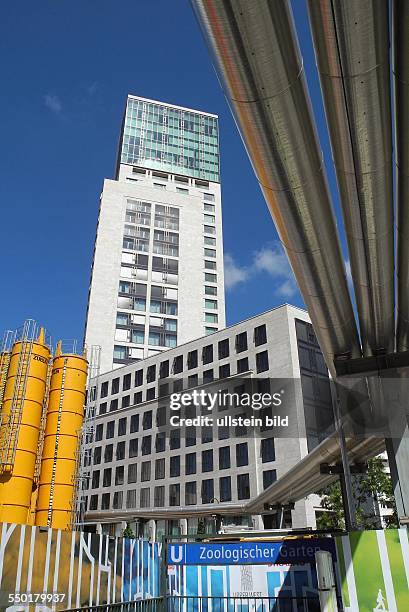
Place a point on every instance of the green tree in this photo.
(128, 533)
(376, 482)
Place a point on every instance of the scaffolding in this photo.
(86, 438)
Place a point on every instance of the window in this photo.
(224, 370)
(110, 429)
(132, 472)
(209, 208)
(260, 335)
(211, 304)
(190, 463)
(147, 420)
(208, 376)
(137, 398)
(269, 476)
(210, 278)
(138, 378)
(164, 369)
(208, 197)
(95, 479)
(159, 469)
(190, 436)
(262, 361)
(192, 380)
(207, 491)
(150, 393)
(210, 265)
(161, 416)
(224, 457)
(174, 439)
(93, 502)
(107, 477)
(151, 373)
(122, 427)
(113, 405)
(267, 450)
(243, 486)
(115, 386)
(159, 185)
(102, 408)
(126, 383)
(225, 488)
(177, 367)
(108, 453)
(131, 498)
(175, 466)
(192, 360)
(209, 252)
(207, 354)
(145, 471)
(174, 495)
(105, 501)
(118, 500)
(133, 447)
(126, 401)
(160, 442)
(242, 365)
(134, 423)
(210, 317)
(145, 498)
(98, 432)
(190, 494)
(159, 497)
(120, 451)
(209, 229)
(242, 455)
(104, 389)
(182, 190)
(119, 475)
(241, 342)
(207, 461)
(146, 445)
(97, 455)
(210, 290)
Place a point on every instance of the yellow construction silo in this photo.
(20, 425)
(65, 415)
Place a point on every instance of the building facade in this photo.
(140, 473)
(157, 275)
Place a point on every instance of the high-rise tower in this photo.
(157, 276)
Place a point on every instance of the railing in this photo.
(242, 604)
(154, 604)
(175, 603)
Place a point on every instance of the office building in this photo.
(141, 473)
(157, 275)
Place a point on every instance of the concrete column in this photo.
(152, 530)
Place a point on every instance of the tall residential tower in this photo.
(157, 276)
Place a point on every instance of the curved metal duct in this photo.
(401, 70)
(351, 41)
(258, 60)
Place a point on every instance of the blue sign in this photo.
(285, 552)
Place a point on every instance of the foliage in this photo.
(128, 533)
(375, 482)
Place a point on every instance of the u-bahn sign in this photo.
(285, 552)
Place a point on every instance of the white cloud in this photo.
(53, 103)
(271, 260)
(233, 273)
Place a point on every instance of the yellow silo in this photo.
(65, 415)
(20, 425)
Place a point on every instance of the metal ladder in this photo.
(57, 441)
(5, 357)
(40, 444)
(10, 428)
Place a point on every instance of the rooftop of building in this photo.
(183, 108)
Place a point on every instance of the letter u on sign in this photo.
(175, 553)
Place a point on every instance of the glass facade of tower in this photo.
(171, 139)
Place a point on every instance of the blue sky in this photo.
(67, 67)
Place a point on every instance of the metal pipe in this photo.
(401, 80)
(351, 41)
(257, 58)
